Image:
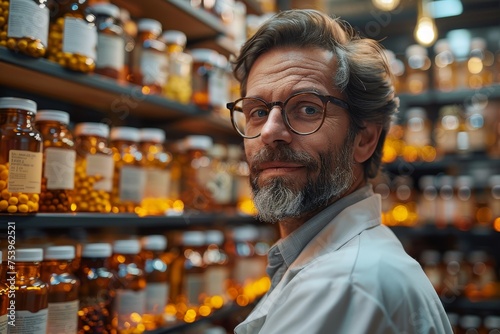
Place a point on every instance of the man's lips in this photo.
(278, 167)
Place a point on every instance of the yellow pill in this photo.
(4, 174)
(13, 200)
(3, 205)
(5, 194)
(34, 197)
(3, 184)
(23, 208)
(23, 199)
(12, 209)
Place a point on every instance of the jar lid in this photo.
(416, 112)
(494, 180)
(29, 255)
(17, 103)
(125, 133)
(154, 44)
(154, 242)
(52, 115)
(221, 61)
(245, 233)
(492, 322)
(126, 246)
(218, 151)
(193, 238)
(92, 129)
(416, 50)
(470, 321)
(59, 253)
(198, 142)
(149, 25)
(214, 237)
(152, 134)
(204, 55)
(174, 37)
(99, 250)
(105, 9)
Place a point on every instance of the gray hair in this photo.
(363, 73)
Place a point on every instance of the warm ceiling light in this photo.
(425, 31)
(386, 5)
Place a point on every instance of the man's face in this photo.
(291, 174)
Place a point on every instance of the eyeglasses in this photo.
(303, 113)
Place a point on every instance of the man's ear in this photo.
(366, 141)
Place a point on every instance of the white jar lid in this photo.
(174, 37)
(152, 134)
(99, 250)
(149, 25)
(156, 242)
(193, 238)
(218, 151)
(245, 233)
(416, 50)
(52, 115)
(29, 255)
(125, 133)
(214, 237)
(59, 253)
(105, 9)
(92, 129)
(198, 142)
(127, 246)
(17, 103)
(204, 55)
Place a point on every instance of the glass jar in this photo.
(221, 179)
(97, 289)
(149, 61)
(21, 156)
(31, 293)
(204, 61)
(156, 165)
(445, 69)
(59, 156)
(25, 26)
(64, 287)
(195, 169)
(446, 130)
(73, 36)
(94, 168)
(129, 177)
(178, 84)
(130, 299)
(110, 58)
(479, 64)
(219, 87)
(217, 271)
(417, 66)
(417, 134)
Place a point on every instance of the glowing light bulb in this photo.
(425, 31)
(386, 5)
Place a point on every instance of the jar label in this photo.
(25, 171)
(103, 166)
(110, 52)
(27, 19)
(154, 66)
(157, 183)
(30, 323)
(63, 317)
(156, 297)
(180, 65)
(128, 303)
(132, 180)
(59, 168)
(3, 324)
(79, 37)
(215, 281)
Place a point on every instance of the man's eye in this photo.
(258, 113)
(310, 110)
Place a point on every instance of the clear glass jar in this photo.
(219, 87)
(195, 171)
(178, 85)
(110, 58)
(31, 294)
(417, 66)
(129, 177)
(479, 64)
(155, 162)
(94, 168)
(149, 61)
(24, 33)
(97, 289)
(204, 61)
(445, 67)
(59, 156)
(73, 36)
(130, 299)
(21, 157)
(157, 271)
(64, 286)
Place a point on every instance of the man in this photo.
(317, 104)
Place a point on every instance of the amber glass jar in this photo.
(149, 61)
(129, 177)
(130, 299)
(64, 286)
(204, 61)
(21, 156)
(19, 31)
(110, 41)
(31, 293)
(59, 155)
(94, 168)
(72, 36)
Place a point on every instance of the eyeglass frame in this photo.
(270, 105)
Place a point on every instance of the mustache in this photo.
(282, 153)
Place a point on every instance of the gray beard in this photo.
(278, 199)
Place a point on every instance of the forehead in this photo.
(286, 70)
